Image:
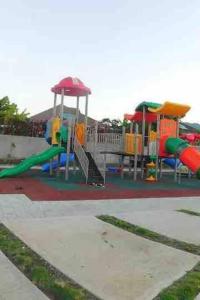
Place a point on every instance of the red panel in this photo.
(162, 151)
(168, 127)
(128, 117)
(138, 116)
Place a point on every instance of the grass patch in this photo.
(47, 278)
(189, 212)
(187, 287)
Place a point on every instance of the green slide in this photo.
(31, 161)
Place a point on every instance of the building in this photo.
(47, 114)
(186, 127)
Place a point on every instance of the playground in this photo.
(149, 157)
(39, 186)
(140, 220)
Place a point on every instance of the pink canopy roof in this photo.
(72, 87)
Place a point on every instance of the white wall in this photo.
(110, 158)
(18, 147)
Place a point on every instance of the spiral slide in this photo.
(31, 161)
(188, 155)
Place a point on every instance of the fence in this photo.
(105, 141)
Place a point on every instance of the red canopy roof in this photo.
(72, 87)
(138, 116)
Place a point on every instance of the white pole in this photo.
(148, 143)
(54, 105)
(157, 145)
(86, 120)
(143, 141)
(61, 106)
(123, 139)
(176, 157)
(54, 115)
(143, 129)
(68, 153)
(77, 109)
(61, 122)
(135, 152)
(131, 127)
(95, 139)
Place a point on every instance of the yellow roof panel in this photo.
(171, 109)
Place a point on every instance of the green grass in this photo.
(189, 212)
(48, 279)
(187, 287)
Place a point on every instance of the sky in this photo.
(126, 51)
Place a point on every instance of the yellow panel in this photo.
(152, 136)
(130, 143)
(55, 129)
(80, 132)
(171, 109)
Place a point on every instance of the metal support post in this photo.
(135, 152)
(157, 145)
(68, 153)
(143, 141)
(86, 120)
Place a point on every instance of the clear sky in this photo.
(126, 51)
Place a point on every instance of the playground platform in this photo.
(40, 186)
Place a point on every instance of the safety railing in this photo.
(82, 157)
(106, 141)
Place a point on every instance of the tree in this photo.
(116, 123)
(9, 112)
(106, 122)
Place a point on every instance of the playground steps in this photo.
(94, 175)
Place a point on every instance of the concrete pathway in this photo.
(14, 285)
(19, 206)
(110, 262)
(173, 224)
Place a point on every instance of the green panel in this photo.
(148, 105)
(64, 133)
(175, 145)
(31, 161)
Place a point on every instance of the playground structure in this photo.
(192, 138)
(66, 136)
(153, 139)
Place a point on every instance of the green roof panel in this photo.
(147, 105)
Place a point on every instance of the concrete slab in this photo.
(14, 285)
(19, 206)
(173, 224)
(111, 263)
